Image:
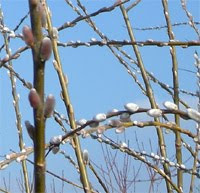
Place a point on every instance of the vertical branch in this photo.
(176, 92)
(66, 99)
(16, 107)
(196, 152)
(39, 66)
(149, 93)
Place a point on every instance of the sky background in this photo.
(97, 81)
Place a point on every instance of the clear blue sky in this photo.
(97, 81)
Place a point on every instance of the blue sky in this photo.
(97, 81)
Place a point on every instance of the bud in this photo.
(33, 2)
(28, 35)
(101, 129)
(193, 114)
(12, 34)
(196, 56)
(11, 156)
(55, 149)
(55, 63)
(5, 59)
(34, 98)
(41, 10)
(21, 158)
(169, 105)
(120, 129)
(131, 107)
(114, 123)
(45, 49)
(55, 33)
(154, 113)
(93, 39)
(125, 117)
(85, 156)
(100, 117)
(94, 124)
(81, 122)
(123, 145)
(30, 129)
(49, 106)
(112, 112)
(29, 85)
(56, 140)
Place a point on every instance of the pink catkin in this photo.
(49, 106)
(34, 98)
(28, 35)
(45, 49)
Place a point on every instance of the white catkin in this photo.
(193, 114)
(112, 112)
(154, 113)
(100, 117)
(56, 140)
(169, 105)
(81, 122)
(131, 107)
(85, 156)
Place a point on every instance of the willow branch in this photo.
(121, 43)
(16, 108)
(80, 18)
(149, 92)
(68, 105)
(176, 90)
(39, 66)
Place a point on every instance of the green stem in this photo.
(39, 66)
(176, 92)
